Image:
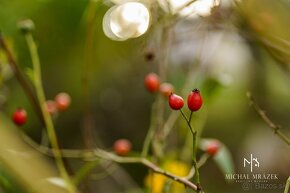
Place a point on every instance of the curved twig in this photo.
(267, 120)
(102, 154)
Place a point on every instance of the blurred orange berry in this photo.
(166, 89)
(152, 82)
(122, 147)
(50, 106)
(62, 101)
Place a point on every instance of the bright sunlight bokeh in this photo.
(128, 20)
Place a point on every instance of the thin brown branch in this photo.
(272, 125)
(156, 169)
(267, 120)
(165, 45)
(102, 154)
(26, 86)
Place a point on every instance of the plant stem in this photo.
(108, 171)
(150, 133)
(272, 125)
(84, 171)
(190, 117)
(287, 185)
(102, 154)
(203, 159)
(267, 120)
(187, 121)
(88, 125)
(26, 86)
(162, 71)
(196, 174)
(47, 118)
(147, 163)
(194, 149)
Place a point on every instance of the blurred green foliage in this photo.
(120, 104)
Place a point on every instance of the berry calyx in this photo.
(176, 102)
(166, 89)
(19, 117)
(152, 82)
(50, 106)
(149, 55)
(194, 100)
(122, 147)
(62, 101)
(213, 148)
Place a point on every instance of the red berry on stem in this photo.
(166, 89)
(194, 100)
(122, 147)
(62, 101)
(176, 102)
(213, 147)
(19, 117)
(152, 82)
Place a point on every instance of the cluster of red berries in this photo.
(176, 102)
(122, 147)
(152, 84)
(194, 101)
(60, 103)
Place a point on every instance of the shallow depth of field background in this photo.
(120, 103)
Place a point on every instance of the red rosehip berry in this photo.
(166, 89)
(19, 117)
(176, 102)
(122, 147)
(62, 101)
(212, 148)
(152, 82)
(51, 107)
(194, 100)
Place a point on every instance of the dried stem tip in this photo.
(26, 26)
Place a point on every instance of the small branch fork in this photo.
(272, 125)
(91, 155)
(194, 148)
(267, 120)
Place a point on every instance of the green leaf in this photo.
(224, 160)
